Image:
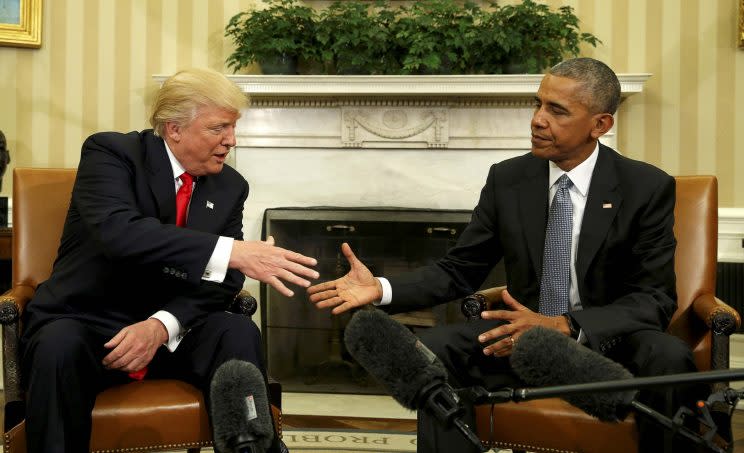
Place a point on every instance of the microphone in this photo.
(240, 409)
(411, 373)
(545, 357)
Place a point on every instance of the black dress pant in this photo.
(644, 353)
(63, 373)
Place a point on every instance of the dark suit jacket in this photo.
(625, 256)
(121, 257)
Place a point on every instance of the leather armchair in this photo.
(702, 320)
(148, 415)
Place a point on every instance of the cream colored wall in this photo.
(94, 70)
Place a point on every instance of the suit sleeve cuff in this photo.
(175, 331)
(387, 292)
(216, 269)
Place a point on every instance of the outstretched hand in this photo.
(263, 261)
(358, 287)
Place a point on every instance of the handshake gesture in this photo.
(358, 287)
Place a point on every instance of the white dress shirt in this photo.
(215, 271)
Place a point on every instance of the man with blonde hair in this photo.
(151, 255)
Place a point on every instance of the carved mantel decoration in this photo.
(394, 126)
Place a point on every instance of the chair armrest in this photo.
(11, 307)
(722, 320)
(485, 299)
(244, 304)
(720, 317)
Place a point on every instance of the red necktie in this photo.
(182, 206)
(182, 198)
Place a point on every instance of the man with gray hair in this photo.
(587, 242)
(151, 255)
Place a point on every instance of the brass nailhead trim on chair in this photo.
(158, 447)
(531, 448)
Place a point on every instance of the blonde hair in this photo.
(185, 92)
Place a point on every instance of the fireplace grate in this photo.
(303, 345)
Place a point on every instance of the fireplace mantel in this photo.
(362, 86)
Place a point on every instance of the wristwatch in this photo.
(572, 326)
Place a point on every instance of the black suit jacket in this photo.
(625, 256)
(121, 256)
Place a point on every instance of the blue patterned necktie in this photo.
(556, 271)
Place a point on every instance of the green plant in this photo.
(438, 36)
(528, 37)
(356, 38)
(424, 37)
(285, 29)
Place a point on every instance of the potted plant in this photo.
(424, 37)
(438, 36)
(356, 38)
(527, 38)
(275, 37)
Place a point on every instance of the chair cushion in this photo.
(144, 415)
(150, 413)
(553, 425)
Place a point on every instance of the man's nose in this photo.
(229, 139)
(538, 119)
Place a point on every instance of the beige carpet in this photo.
(348, 441)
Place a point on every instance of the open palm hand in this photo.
(358, 287)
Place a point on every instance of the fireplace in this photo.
(304, 345)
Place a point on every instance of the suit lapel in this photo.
(602, 205)
(199, 211)
(161, 178)
(533, 209)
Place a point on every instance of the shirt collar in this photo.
(175, 165)
(581, 175)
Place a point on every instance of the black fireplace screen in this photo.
(303, 345)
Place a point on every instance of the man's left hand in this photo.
(134, 346)
(519, 319)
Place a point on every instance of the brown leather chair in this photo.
(149, 415)
(704, 322)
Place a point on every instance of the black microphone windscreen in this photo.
(393, 355)
(240, 407)
(545, 357)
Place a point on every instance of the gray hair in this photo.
(601, 87)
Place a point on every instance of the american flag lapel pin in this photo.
(606, 205)
(210, 205)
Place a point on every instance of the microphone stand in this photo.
(479, 395)
(444, 403)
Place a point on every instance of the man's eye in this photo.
(217, 129)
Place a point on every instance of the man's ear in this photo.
(603, 122)
(173, 131)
